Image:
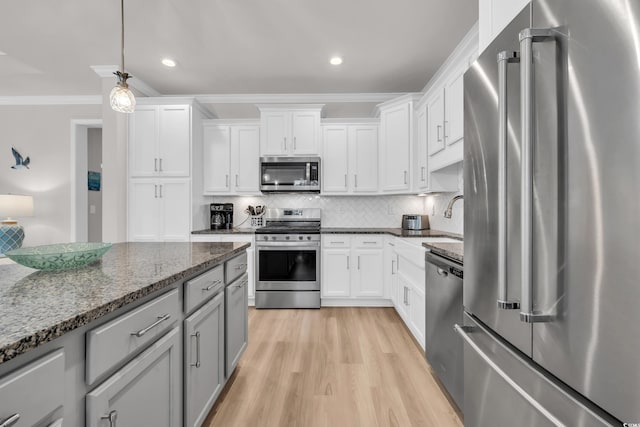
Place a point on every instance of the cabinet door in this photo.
(236, 322)
(305, 129)
(176, 210)
(204, 360)
(454, 108)
(421, 171)
(145, 392)
(245, 158)
(275, 131)
(217, 159)
(364, 158)
(144, 211)
(336, 277)
(174, 140)
(143, 140)
(396, 138)
(391, 272)
(417, 313)
(435, 120)
(335, 161)
(370, 270)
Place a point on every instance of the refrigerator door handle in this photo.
(527, 38)
(464, 332)
(504, 59)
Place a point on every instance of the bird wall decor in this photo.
(20, 162)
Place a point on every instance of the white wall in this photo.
(44, 134)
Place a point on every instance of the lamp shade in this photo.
(15, 205)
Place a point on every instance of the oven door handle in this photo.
(283, 245)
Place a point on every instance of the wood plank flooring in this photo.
(331, 367)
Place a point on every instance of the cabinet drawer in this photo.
(33, 392)
(201, 288)
(114, 341)
(368, 241)
(336, 241)
(235, 268)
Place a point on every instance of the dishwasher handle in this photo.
(445, 267)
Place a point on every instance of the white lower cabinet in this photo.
(204, 360)
(352, 268)
(145, 392)
(391, 270)
(31, 395)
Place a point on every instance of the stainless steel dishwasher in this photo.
(443, 346)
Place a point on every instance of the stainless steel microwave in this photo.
(290, 174)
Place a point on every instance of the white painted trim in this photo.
(280, 107)
(355, 302)
(223, 122)
(296, 98)
(354, 121)
(76, 141)
(136, 83)
(52, 100)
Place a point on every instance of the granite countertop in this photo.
(39, 306)
(453, 251)
(398, 232)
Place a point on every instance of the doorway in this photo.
(86, 180)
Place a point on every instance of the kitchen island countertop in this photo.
(39, 306)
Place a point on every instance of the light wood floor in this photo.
(331, 367)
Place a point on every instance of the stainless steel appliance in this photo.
(551, 183)
(290, 174)
(221, 216)
(288, 259)
(443, 346)
(415, 222)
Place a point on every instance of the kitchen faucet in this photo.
(448, 212)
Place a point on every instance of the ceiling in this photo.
(230, 46)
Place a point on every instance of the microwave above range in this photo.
(290, 174)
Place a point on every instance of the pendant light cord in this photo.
(122, 33)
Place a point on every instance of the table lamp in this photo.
(12, 234)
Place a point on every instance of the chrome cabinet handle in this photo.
(422, 173)
(358, 262)
(355, 180)
(444, 129)
(294, 143)
(441, 272)
(197, 336)
(337, 243)
(213, 285)
(112, 417)
(226, 180)
(393, 263)
(236, 180)
(285, 143)
(527, 38)
(155, 164)
(160, 164)
(408, 297)
(345, 180)
(161, 319)
(464, 333)
(10, 421)
(405, 177)
(160, 190)
(348, 262)
(155, 187)
(504, 59)
(438, 137)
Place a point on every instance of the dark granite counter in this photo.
(398, 232)
(454, 251)
(39, 306)
(229, 231)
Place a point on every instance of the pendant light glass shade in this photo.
(121, 97)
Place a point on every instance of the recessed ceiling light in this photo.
(2, 53)
(168, 62)
(336, 60)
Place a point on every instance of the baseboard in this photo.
(352, 302)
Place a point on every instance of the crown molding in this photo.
(296, 98)
(52, 100)
(136, 83)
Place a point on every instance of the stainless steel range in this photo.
(288, 259)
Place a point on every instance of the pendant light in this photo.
(121, 97)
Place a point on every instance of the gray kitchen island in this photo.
(147, 335)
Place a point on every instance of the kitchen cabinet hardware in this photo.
(405, 177)
(285, 143)
(160, 190)
(160, 164)
(444, 129)
(12, 420)
(345, 180)
(355, 179)
(226, 181)
(142, 332)
(393, 264)
(294, 143)
(197, 337)
(370, 243)
(347, 262)
(438, 137)
(236, 180)
(155, 164)
(441, 272)
(213, 285)
(422, 173)
(111, 417)
(155, 187)
(358, 262)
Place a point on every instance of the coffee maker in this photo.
(221, 216)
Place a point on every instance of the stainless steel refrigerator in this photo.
(552, 219)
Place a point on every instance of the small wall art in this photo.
(94, 181)
(21, 163)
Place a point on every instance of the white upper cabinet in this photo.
(421, 171)
(435, 122)
(231, 158)
(160, 141)
(493, 17)
(350, 158)
(453, 127)
(290, 131)
(396, 138)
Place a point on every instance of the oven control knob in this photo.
(300, 237)
(273, 237)
(287, 237)
(308, 237)
(266, 237)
